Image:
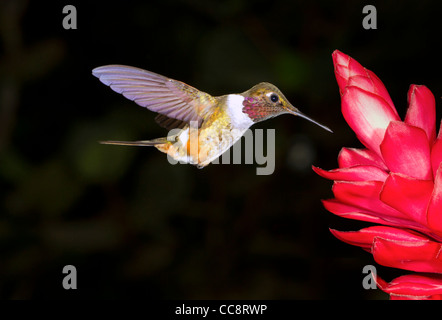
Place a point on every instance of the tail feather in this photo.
(138, 143)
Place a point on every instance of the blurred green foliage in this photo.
(132, 224)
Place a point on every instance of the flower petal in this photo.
(364, 195)
(365, 238)
(355, 238)
(439, 135)
(345, 67)
(422, 110)
(368, 115)
(421, 256)
(397, 248)
(356, 173)
(406, 150)
(408, 195)
(434, 212)
(436, 155)
(413, 287)
(351, 212)
(349, 157)
(349, 72)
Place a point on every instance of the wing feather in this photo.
(169, 123)
(170, 98)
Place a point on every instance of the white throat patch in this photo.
(239, 119)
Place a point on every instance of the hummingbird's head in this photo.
(264, 101)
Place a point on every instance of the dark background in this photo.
(135, 226)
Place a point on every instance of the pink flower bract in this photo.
(396, 181)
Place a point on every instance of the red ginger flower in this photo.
(396, 181)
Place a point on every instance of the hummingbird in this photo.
(205, 126)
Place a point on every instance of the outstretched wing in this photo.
(170, 98)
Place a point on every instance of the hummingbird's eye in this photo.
(274, 97)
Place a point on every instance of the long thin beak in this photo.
(300, 114)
